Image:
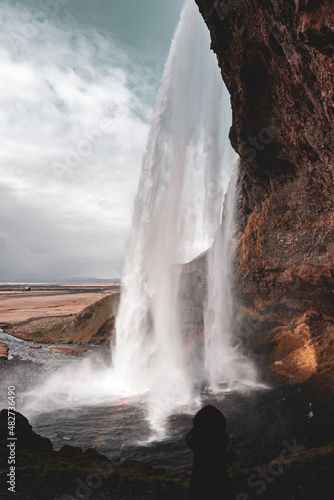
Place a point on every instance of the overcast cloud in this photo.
(75, 114)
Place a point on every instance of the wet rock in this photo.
(32, 449)
(70, 452)
(277, 61)
(29, 445)
(89, 456)
(3, 351)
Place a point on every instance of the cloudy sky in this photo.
(78, 82)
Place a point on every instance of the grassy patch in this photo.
(39, 333)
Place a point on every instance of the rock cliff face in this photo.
(276, 58)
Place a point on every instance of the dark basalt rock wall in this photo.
(276, 58)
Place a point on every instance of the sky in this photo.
(78, 83)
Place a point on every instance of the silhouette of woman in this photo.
(208, 440)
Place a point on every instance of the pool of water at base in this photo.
(261, 423)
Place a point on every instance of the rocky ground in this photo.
(3, 351)
(301, 350)
(71, 473)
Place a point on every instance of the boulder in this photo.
(3, 351)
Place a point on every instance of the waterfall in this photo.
(227, 365)
(187, 168)
(184, 178)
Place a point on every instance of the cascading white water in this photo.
(149, 353)
(227, 365)
(187, 167)
(188, 154)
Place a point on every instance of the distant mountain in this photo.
(89, 281)
(66, 281)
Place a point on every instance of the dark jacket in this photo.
(209, 441)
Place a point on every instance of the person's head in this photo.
(209, 417)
